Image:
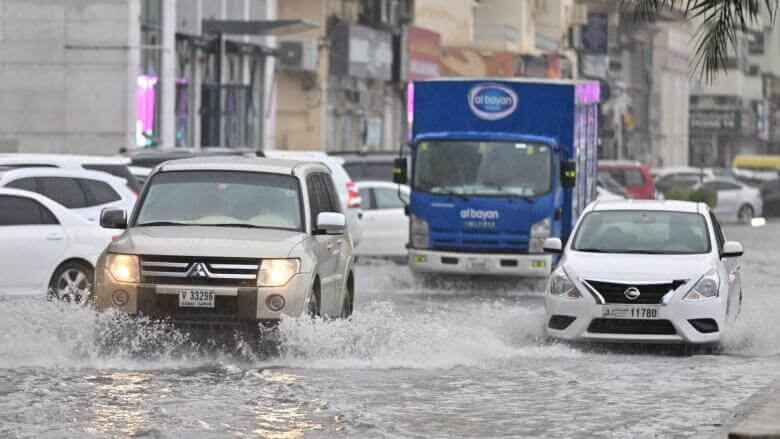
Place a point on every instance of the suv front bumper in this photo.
(233, 305)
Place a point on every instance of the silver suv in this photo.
(230, 241)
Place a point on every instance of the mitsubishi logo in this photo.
(632, 293)
(198, 270)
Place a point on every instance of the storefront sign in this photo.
(424, 49)
(716, 120)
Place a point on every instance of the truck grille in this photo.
(177, 270)
(648, 293)
(631, 326)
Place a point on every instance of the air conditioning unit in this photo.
(579, 14)
(298, 54)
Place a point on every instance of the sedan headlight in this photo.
(420, 235)
(539, 232)
(706, 288)
(562, 286)
(123, 268)
(277, 272)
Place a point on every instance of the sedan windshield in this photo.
(649, 232)
(483, 168)
(222, 198)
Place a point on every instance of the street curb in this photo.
(763, 419)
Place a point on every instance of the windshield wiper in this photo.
(593, 250)
(163, 223)
(244, 225)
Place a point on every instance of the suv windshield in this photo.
(483, 168)
(222, 198)
(635, 231)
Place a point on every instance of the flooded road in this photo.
(463, 361)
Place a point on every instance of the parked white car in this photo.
(114, 165)
(46, 247)
(266, 238)
(644, 271)
(736, 200)
(348, 193)
(140, 173)
(385, 224)
(86, 193)
(605, 195)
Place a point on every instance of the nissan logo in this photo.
(631, 293)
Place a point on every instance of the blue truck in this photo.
(497, 166)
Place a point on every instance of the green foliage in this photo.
(700, 195)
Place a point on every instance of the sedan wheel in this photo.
(71, 282)
(745, 214)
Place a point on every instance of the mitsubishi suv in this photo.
(227, 241)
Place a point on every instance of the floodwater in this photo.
(458, 361)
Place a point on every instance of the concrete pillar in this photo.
(168, 75)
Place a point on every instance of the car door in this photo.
(32, 243)
(728, 198)
(389, 224)
(339, 246)
(324, 245)
(731, 265)
(100, 195)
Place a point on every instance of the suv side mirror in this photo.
(568, 173)
(330, 223)
(553, 245)
(113, 218)
(731, 249)
(399, 171)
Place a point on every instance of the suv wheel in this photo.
(349, 299)
(71, 282)
(313, 302)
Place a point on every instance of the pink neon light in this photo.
(145, 102)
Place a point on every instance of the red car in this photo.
(634, 176)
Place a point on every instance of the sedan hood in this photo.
(637, 268)
(208, 242)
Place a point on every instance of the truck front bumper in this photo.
(525, 265)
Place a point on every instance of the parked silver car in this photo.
(228, 241)
(736, 200)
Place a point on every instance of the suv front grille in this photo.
(178, 270)
(631, 326)
(225, 309)
(649, 294)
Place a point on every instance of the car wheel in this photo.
(71, 282)
(745, 214)
(349, 299)
(313, 303)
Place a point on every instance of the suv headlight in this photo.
(419, 232)
(277, 272)
(706, 288)
(562, 286)
(539, 232)
(123, 268)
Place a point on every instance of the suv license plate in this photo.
(630, 312)
(196, 298)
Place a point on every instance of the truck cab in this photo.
(497, 167)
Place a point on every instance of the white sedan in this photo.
(644, 271)
(44, 246)
(736, 200)
(385, 224)
(85, 192)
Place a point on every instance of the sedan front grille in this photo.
(631, 326)
(649, 294)
(178, 270)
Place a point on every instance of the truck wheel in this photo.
(71, 282)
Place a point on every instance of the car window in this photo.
(314, 201)
(326, 182)
(118, 171)
(365, 198)
(634, 177)
(20, 211)
(98, 192)
(387, 198)
(63, 190)
(718, 231)
(27, 184)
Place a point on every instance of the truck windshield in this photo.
(644, 232)
(483, 168)
(222, 198)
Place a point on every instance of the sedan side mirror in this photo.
(330, 223)
(113, 219)
(553, 245)
(731, 249)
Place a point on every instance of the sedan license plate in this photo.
(196, 298)
(630, 312)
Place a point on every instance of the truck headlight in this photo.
(123, 268)
(706, 288)
(539, 232)
(420, 236)
(562, 286)
(277, 272)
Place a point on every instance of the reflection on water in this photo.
(122, 396)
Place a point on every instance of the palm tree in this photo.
(721, 21)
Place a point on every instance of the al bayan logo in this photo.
(492, 101)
